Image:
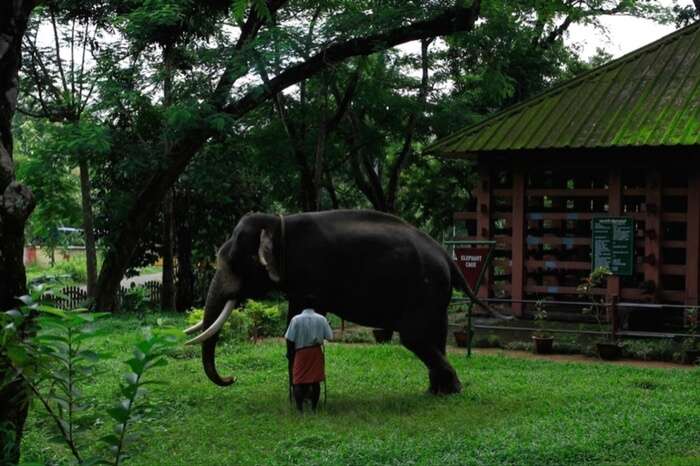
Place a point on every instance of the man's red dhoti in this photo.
(309, 365)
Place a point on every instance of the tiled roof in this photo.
(650, 97)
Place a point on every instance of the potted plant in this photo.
(462, 337)
(608, 348)
(382, 335)
(543, 342)
(691, 353)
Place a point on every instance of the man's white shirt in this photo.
(308, 329)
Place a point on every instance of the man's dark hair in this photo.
(309, 301)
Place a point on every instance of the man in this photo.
(305, 337)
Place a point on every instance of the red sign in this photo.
(471, 261)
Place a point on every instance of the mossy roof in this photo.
(647, 98)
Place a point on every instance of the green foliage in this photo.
(650, 350)
(693, 316)
(42, 167)
(74, 268)
(540, 318)
(362, 335)
(597, 308)
(135, 300)
(519, 346)
(267, 320)
(236, 329)
(56, 362)
(256, 319)
(487, 341)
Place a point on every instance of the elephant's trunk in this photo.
(216, 311)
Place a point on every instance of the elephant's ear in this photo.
(267, 255)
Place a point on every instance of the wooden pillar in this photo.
(483, 219)
(518, 239)
(692, 247)
(652, 229)
(614, 210)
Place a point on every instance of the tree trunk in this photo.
(16, 204)
(167, 298)
(185, 276)
(89, 229)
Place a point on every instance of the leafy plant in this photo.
(135, 300)
(266, 319)
(649, 350)
(237, 326)
(54, 363)
(690, 343)
(541, 319)
(597, 308)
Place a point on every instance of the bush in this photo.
(650, 350)
(135, 300)
(74, 267)
(519, 346)
(267, 320)
(488, 341)
(236, 328)
(357, 336)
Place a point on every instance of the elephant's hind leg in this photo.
(443, 378)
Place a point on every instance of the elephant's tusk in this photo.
(194, 328)
(216, 326)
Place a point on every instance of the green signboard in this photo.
(613, 245)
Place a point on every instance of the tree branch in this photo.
(344, 101)
(59, 62)
(406, 149)
(150, 197)
(452, 20)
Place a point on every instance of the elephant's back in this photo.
(370, 260)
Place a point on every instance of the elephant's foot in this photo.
(444, 382)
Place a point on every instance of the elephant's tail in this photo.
(459, 282)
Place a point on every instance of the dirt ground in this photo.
(571, 358)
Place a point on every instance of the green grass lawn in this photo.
(511, 411)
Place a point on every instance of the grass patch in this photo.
(511, 411)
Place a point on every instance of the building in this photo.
(620, 141)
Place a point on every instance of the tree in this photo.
(394, 29)
(42, 166)
(16, 204)
(60, 83)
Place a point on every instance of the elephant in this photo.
(367, 267)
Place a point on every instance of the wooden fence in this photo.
(74, 297)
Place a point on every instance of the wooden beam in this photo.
(692, 250)
(665, 191)
(518, 239)
(673, 269)
(503, 193)
(652, 227)
(576, 192)
(557, 240)
(537, 289)
(483, 219)
(614, 210)
(457, 216)
(639, 295)
(558, 265)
